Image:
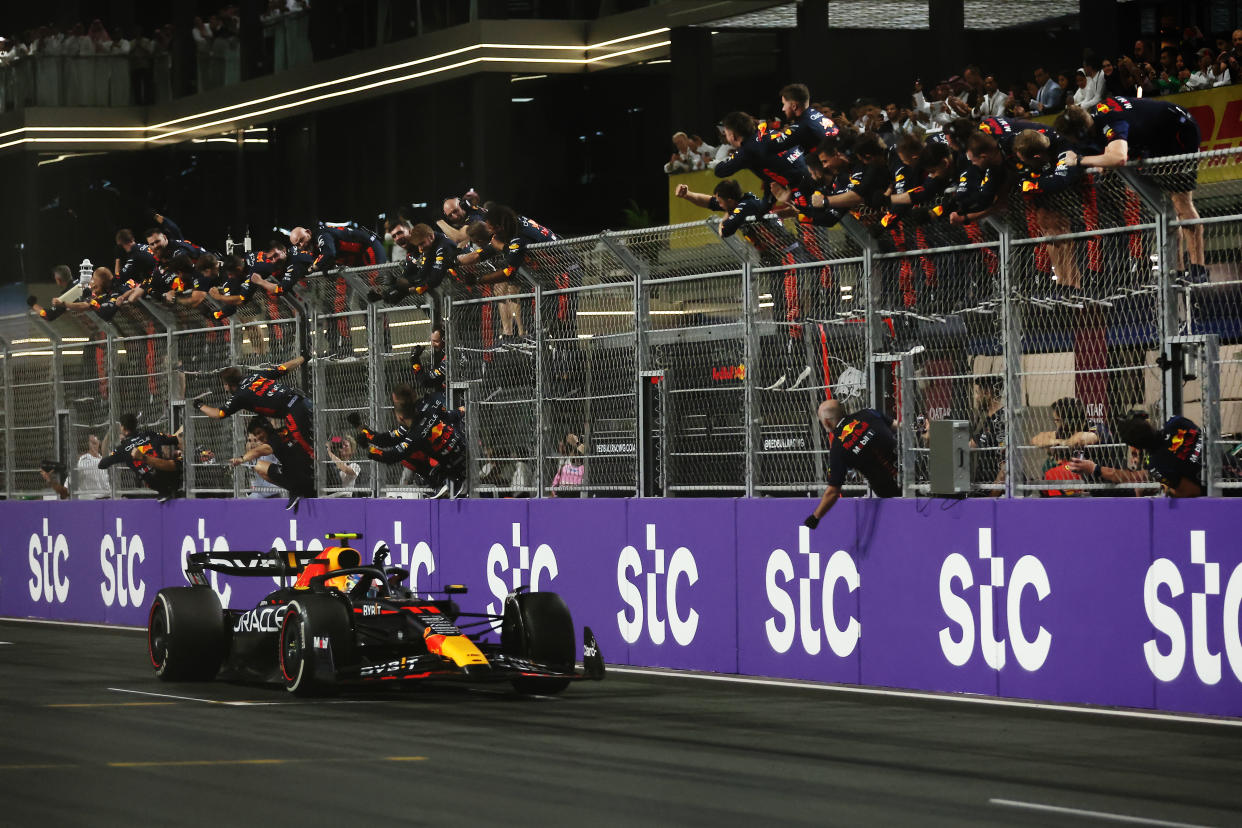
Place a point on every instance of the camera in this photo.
(55, 467)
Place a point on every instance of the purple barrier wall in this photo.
(1115, 602)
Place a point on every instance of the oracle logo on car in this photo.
(1163, 572)
(523, 569)
(202, 542)
(117, 555)
(681, 566)
(796, 613)
(1027, 573)
(46, 554)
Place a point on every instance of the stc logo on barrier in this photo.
(203, 543)
(529, 570)
(797, 614)
(1028, 572)
(47, 553)
(1164, 572)
(421, 560)
(117, 555)
(681, 566)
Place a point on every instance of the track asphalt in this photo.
(91, 738)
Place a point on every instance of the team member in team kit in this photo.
(727, 198)
(770, 160)
(1130, 128)
(293, 471)
(259, 391)
(864, 442)
(805, 126)
(1172, 456)
(143, 451)
(427, 439)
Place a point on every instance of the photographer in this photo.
(341, 451)
(1173, 456)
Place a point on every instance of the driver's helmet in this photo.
(330, 560)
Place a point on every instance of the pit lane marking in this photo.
(987, 701)
(1105, 815)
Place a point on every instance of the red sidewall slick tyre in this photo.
(315, 628)
(186, 638)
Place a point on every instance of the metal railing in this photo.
(688, 364)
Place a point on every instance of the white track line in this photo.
(164, 695)
(988, 701)
(1054, 809)
(70, 623)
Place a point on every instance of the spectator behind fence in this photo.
(1050, 97)
(1172, 457)
(572, 471)
(260, 487)
(341, 451)
(91, 483)
(684, 158)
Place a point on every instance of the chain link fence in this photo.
(672, 361)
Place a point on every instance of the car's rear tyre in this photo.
(537, 626)
(186, 638)
(316, 645)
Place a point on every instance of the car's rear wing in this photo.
(273, 562)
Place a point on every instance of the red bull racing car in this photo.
(344, 623)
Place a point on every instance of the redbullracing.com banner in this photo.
(1113, 602)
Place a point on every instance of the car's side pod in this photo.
(592, 658)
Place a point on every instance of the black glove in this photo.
(305, 354)
(362, 439)
(354, 419)
(811, 522)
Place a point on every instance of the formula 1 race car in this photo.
(344, 623)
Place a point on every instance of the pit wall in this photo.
(1130, 603)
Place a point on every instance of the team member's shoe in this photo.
(443, 492)
(292, 505)
(801, 378)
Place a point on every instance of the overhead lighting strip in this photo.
(583, 61)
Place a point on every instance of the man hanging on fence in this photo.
(294, 469)
(1145, 128)
(1173, 456)
(864, 442)
(428, 440)
(154, 457)
(258, 391)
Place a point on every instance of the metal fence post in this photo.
(874, 316)
(1205, 350)
(7, 377)
(1170, 310)
(642, 321)
(1011, 351)
(59, 434)
(750, 358)
(541, 448)
(114, 413)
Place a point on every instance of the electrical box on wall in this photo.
(949, 460)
